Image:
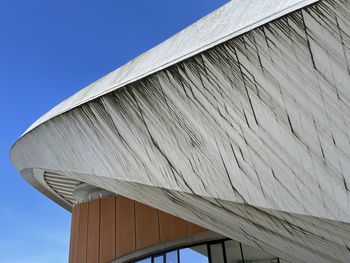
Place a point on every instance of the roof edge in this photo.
(229, 21)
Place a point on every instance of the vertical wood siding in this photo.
(106, 229)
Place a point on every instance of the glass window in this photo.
(251, 254)
(233, 251)
(196, 254)
(216, 253)
(222, 251)
(158, 259)
(171, 257)
(146, 260)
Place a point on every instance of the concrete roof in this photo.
(231, 20)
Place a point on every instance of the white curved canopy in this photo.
(231, 20)
(240, 123)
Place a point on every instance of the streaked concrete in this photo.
(249, 139)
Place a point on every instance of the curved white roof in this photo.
(249, 138)
(229, 21)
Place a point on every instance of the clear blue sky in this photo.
(50, 49)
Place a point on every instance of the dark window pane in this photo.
(196, 254)
(251, 254)
(158, 259)
(146, 260)
(216, 253)
(233, 252)
(171, 257)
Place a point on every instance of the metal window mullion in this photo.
(224, 251)
(209, 253)
(242, 255)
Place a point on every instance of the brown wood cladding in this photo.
(195, 229)
(93, 245)
(106, 229)
(147, 226)
(125, 226)
(83, 232)
(73, 251)
(171, 227)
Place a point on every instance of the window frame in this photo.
(207, 243)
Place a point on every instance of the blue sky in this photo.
(49, 50)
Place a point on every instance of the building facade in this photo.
(229, 142)
(117, 229)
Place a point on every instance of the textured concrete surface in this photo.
(231, 20)
(249, 138)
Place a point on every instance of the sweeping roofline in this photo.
(229, 21)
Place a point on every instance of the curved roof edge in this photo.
(231, 20)
(35, 177)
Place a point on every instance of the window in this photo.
(171, 257)
(196, 254)
(233, 251)
(217, 253)
(147, 260)
(158, 259)
(220, 251)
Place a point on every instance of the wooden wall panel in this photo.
(125, 226)
(93, 244)
(107, 230)
(83, 232)
(74, 241)
(147, 226)
(195, 229)
(171, 227)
